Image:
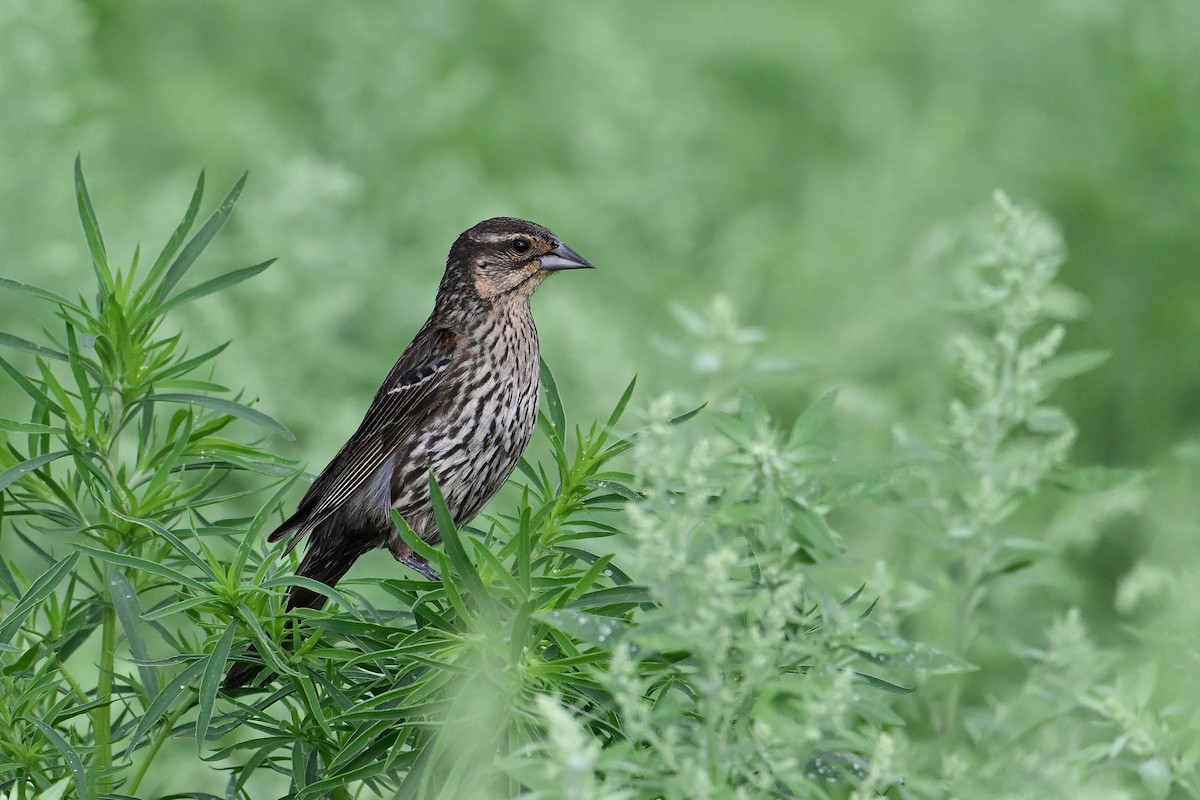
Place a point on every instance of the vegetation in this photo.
(929, 532)
(683, 629)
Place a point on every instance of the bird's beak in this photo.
(563, 257)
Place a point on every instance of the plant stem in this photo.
(70, 679)
(163, 733)
(108, 636)
(971, 594)
(102, 716)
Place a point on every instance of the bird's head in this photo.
(505, 255)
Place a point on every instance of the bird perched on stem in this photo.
(460, 403)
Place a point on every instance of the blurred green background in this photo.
(793, 157)
(799, 160)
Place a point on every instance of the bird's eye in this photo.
(520, 245)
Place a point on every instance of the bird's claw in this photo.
(418, 564)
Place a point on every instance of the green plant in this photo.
(1044, 716)
(111, 483)
(1003, 442)
(660, 613)
(124, 490)
(425, 693)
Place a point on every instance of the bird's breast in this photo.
(488, 418)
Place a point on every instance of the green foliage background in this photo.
(791, 155)
(801, 160)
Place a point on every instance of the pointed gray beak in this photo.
(563, 257)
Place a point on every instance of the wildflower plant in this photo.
(745, 674)
(1003, 442)
(1055, 716)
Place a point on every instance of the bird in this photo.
(460, 403)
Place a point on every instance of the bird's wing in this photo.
(403, 403)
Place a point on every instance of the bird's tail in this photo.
(330, 555)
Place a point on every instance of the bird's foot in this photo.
(418, 564)
(405, 555)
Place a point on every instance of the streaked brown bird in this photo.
(460, 403)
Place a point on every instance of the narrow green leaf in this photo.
(632, 595)
(618, 576)
(210, 682)
(91, 230)
(181, 231)
(58, 391)
(1047, 420)
(813, 419)
(556, 447)
(1071, 364)
(419, 546)
(175, 541)
(316, 710)
(252, 764)
(615, 416)
(123, 340)
(524, 543)
(124, 600)
(37, 291)
(328, 787)
(191, 251)
(269, 509)
(1011, 568)
(56, 791)
(602, 632)
(854, 596)
(191, 385)
(553, 408)
(12, 426)
(187, 365)
(263, 643)
(300, 769)
(86, 395)
(590, 578)
(1090, 480)
(172, 689)
(145, 565)
(174, 608)
(167, 458)
(13, 474)
(17, 343)
(214, 285)
(453, 546)
(311, 585)
(356, 745)
(7, 579)
(38, 591)
(128, 282)
(529, 472)
(69, 755)
(614, 487)
(486, 556)
(684, 417)
(76, 710)
(29, 388)
(880, 683)
(226, 407)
